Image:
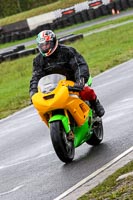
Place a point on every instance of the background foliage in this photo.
(10, 7)
(33, 11)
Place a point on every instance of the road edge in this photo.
(97, 177)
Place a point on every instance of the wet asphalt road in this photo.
(29, 167)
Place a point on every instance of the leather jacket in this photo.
(65, 60)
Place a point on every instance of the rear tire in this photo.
(97, 135)
(63, 147)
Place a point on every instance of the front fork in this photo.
(65, 122)
(78, 134)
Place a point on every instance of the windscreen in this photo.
(49, 82)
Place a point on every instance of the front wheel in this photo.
(97, 133)
(63, 147)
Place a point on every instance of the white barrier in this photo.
(36, 21)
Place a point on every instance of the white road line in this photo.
(93, 175)
(18, 113)
(10, 191)
(107, 28)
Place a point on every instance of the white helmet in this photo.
(47, 42)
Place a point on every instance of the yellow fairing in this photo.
(61, 98)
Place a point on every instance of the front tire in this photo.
(97, 135)
(63, 147)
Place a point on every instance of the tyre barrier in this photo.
(20, 51)
(84, 16)
(77, 18)
(110, 6)
(124, 4)
(91, 14)
(19, 54)
(130, 3)
(104, 10)
(67, 19)
(70, 38)
(97, 12)
(20, 26)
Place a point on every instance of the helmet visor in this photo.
(44, 47)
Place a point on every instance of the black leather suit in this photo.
(65, 60)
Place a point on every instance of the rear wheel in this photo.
(97, 135)
(63, 147)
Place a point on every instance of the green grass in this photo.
(102, 51)
(105, 24)
(107, 49)
(14, 83)
(112, 189)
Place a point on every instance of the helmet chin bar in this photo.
(56, 45)
(50, 50)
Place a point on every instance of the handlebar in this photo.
(74, 89)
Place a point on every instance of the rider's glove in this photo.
(80, 84)
(32, 92)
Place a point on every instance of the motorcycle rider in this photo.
(61, 59)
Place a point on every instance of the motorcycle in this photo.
(71, 120)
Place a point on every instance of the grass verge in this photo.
(102, 51)
(113, 189)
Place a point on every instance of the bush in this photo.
(10, 7)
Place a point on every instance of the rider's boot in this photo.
(96, 105)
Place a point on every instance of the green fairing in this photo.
(80, 133)
(89, 82)
(64, 120)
